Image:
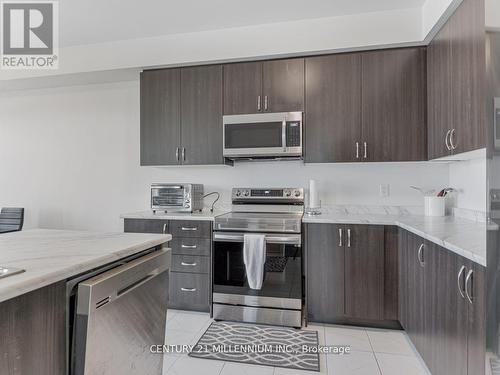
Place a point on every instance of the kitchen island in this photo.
(33, 304)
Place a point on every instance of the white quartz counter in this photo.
(464, 237)
(49, 256)
(159, 215)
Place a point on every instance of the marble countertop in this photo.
(49, 256)
(204, 215)
(462, 236)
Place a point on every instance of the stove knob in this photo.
(288, 193)
(247, 193)
(238, 193)
(297, 193)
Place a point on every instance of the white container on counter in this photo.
(435, 206)
(313, 195)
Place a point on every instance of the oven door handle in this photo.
(270, 238)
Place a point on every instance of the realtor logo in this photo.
(29, 37)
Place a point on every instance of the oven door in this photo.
(282, 284)
(263, 135)
(171, 197)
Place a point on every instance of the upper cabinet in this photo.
(201, 115)
(456, 83)
(333, 115)
(393, 105)
(366, 107)
(181, 116)
(269, 86)
(160, 116)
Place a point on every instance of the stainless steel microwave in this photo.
(263, 135)
(176, 197)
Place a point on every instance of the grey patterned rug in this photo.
(259, 344)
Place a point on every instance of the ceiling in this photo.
(98, 21)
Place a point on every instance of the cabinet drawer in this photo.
(190, 264)
(188, 291)
(190, 246)
(190, 229)
(145, 226)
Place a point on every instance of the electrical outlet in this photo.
(385, 190)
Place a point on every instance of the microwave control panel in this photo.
(293, 136)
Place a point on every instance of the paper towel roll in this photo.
(313, 195)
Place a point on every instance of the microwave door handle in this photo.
(283, 135)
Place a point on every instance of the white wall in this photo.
(492, 14)
(469, 178)
(71, 157)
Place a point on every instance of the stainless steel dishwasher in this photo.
(120, 313)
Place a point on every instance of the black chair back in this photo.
(11, 219)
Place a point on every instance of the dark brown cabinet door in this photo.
(391, 273)
(243, 88)
(201, 114)
(476, 348)
(468, 76)
(324, 272)
(447, 314)
(394, 105)
(439, 95)
(364, 272)
(283, 85)
(403, 278)
(333, 113)
(160, 116)
(456, 83)
(415, 292)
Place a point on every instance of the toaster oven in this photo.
(176, 197)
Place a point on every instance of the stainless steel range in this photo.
(276, 213)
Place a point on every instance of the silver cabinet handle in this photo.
(459, 281)
(188, 264)
(468, 281)
(447, 140)
(357, 150)
(341, 243)
(164, 228)
(452, 137)
(188, 289)
(420, 255)
(365, 154)
(189, 246)
(348, 238)
(184, 154)
(266, 103)
(258, 103)
(189, 228)
(177, 153)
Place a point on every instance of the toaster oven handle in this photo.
(294, 239)
(168, 187)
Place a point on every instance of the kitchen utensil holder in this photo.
(434, 206)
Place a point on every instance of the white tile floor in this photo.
(373, 351)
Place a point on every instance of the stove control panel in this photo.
(275, 194)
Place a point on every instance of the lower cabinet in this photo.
(442, 306)
(190, 280)
(346, 273)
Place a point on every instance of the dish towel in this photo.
(254, 257)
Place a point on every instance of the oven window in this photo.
(167, 197)
(282, 270)
(253, 135)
